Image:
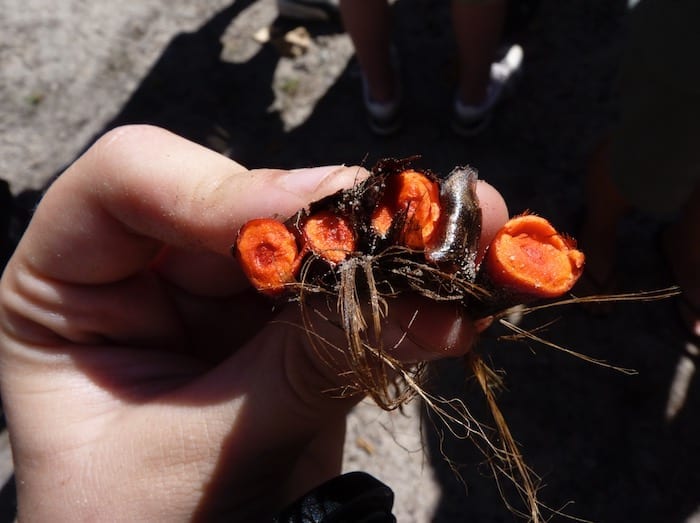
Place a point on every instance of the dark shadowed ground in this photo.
(597, 437)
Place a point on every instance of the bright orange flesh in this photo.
(529, 256)
(382, 218)
(416, 195)
(268, 254)
(329, 236)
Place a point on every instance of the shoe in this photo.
(314, 10)
(384, 118)
(471, 120)
(507, 68)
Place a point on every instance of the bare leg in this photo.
(368, 22)
(605, 208)
(683, 254)
(477, 27)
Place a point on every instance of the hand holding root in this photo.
(402, 231)
(140, 376)
(396, 232)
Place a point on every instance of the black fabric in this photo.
(355, 497)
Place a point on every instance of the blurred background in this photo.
(270, 91)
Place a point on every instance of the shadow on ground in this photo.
(596, 436)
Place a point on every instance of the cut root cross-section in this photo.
(416, 198)
(528, 256)
(268, 254)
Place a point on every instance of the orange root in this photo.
(329, 236)
(417, 196)
(268, 254)
(528, 256)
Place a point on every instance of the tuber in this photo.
(529, 257)
(268, 254)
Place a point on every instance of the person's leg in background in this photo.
(652, 160)
(682, 250)
(605, 209)
(368, 22)
(478, 26)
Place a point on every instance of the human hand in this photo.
(141, 377)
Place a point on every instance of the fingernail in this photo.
(307, 181)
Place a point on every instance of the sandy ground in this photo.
(70, 70)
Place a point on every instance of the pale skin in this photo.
(606, 207)
(477, 28)
(140, 378)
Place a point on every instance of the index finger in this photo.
(140, 187)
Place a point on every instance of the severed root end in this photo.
(528, 256)
(329, 236)
(268, 254)
(271, 254)
(414, 196)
